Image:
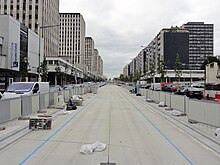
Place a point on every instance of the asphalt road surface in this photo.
(134, 134)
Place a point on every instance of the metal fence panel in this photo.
(141, 91)
(71, 93)
(46, 100)
(94, 89)
(42, 101)
(15, 108)
(62, 93)
(204, 112)
(35, 103)
(51, 98)
(168, 100)
(162, 96)
(147, 93)
(155, 96)
(66, 95)
(83, 90)
(26, 105)
(4, 110)
(177, 102)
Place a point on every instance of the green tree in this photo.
(126, 79)
(121, 77)
(152, 70)
(161, 69)
(44, 70)
(178, 67)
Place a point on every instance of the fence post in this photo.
(184, 104)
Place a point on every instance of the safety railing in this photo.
(26, 105)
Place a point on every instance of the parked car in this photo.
(163, 84)
(167, 87)
(194, 93)
(173, 88)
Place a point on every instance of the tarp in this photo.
(90, 148)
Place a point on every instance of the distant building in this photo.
(95, 62)
(164, 47)
(125, 70)
(89, 53)
(72, 39)
(171, 42)
(200, 42)
(35, 14)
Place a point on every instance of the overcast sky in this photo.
(120, 27)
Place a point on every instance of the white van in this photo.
(17, 89)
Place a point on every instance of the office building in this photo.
(89, 53)
(200, 42)
(125, 71)
(19, 52)
(164, 48)
(95, 62)
(72, 38)
(35, 14)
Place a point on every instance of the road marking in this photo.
(57, 131)
(179, 151)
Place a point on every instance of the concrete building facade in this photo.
(20, 55)
(95, 62)
(72, 39)
(125, 71)
(41, 16)
(89, 53)
(200, 42)
(164, 47)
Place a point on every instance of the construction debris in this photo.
(176, 113)
(2, 128)
(161, 104)
(217, 133)
(90, 148)
(149, 100)
(40, 122)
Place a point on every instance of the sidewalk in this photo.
(202, 132)
(16, 129)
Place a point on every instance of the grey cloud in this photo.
(120, 27)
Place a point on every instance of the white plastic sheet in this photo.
(76, 97)
(176, 113)
(90, 148)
